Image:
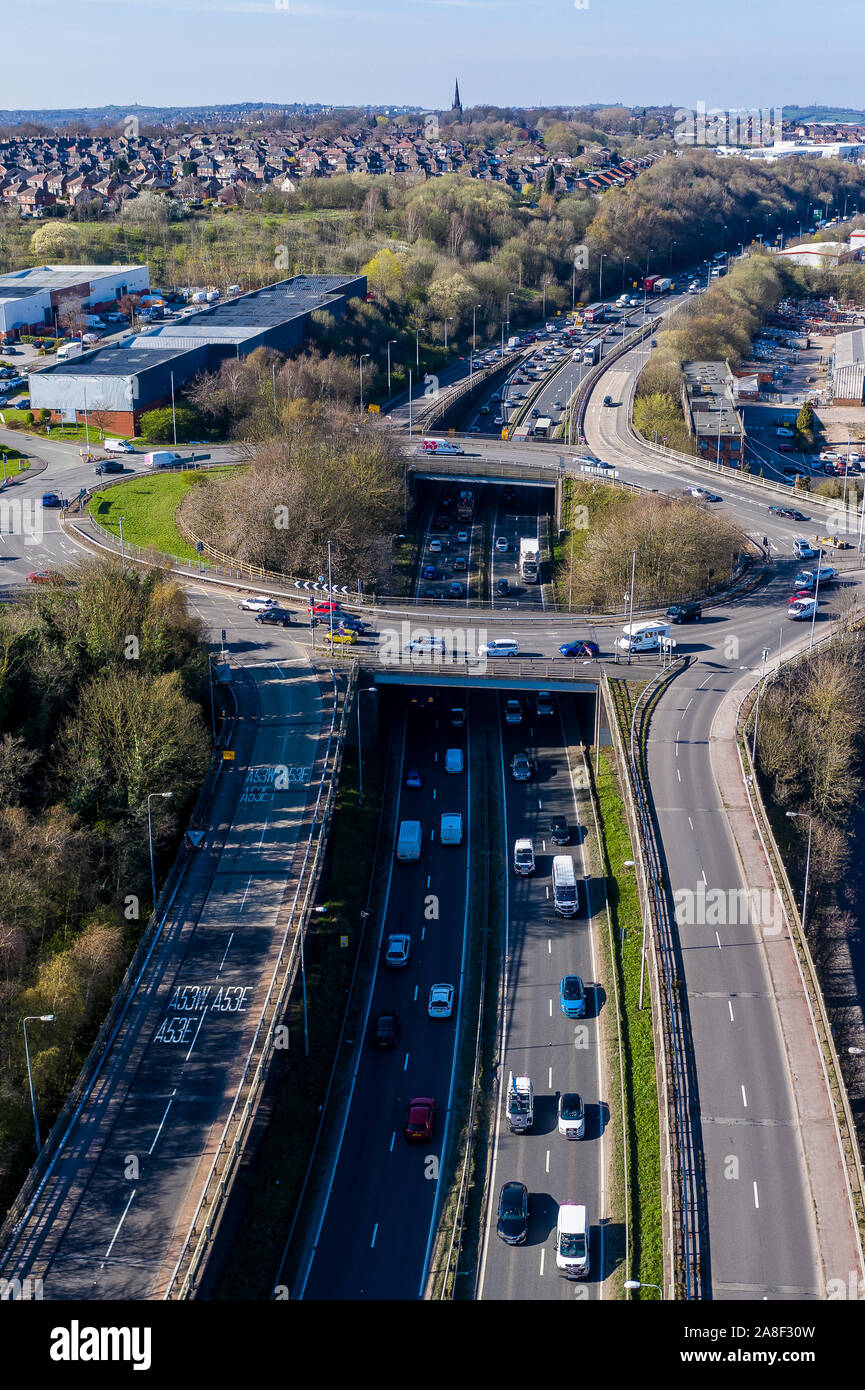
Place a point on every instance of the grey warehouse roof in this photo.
(850, 348)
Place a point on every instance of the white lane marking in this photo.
(756, 1197)
(374, 1234)
(192, 1044)
(540, 804)
(687, 707)
(550, 1079)
(718, 939)
(705, 682)
(548, 1161)
(434, 793)
(405, 1063)
(427, 880)
(225, 952)
(549, 946)
(414, 996)
(678, 774)
(548, 890)
(120, 1223)
(730, 1007)
(432, 835)
(264, 831)
(392, 1141)
(245, 891)
(543, 1253)
(705, 880)
(551, 1008)
(162, 1121)
(544, 845)
(690, 822)
(744, 1098)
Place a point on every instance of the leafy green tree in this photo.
(158, 425)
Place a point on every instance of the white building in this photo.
(790, 149)
(31, 299)
(819, 255)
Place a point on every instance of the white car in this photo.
(397, 950)
(572, 1115)
(435, 547)
(441, 1001)
(499, 646)
(425, 644)
(258, 603)
(453, 760)
(501, 544)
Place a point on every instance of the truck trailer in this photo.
(530, 559)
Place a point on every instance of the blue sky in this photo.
(522, 52)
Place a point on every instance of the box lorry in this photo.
(591, 352)
(530, 558)
(520, 1104)
(161, 458)
(409, 841)
(69, 350)
(649, 283)
(564, 886)
(661, 285)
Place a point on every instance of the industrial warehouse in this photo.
(30, 300)
(142, 372)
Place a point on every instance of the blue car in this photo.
(50, 499)
(572, 997)
(574, 649)
(414, 778)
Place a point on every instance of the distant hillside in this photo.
(804, 114)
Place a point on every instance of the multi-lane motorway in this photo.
(763, 1242)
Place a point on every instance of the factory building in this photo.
(139, 373)
(30, 300)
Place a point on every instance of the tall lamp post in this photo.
(366, 690)
(803, 815)
(474, 336)
(389, 346)
(447, 321)
(757, 706)
(362, 356)
(150, 797)
(636, 1284)
(34, 1018)
(631, 596)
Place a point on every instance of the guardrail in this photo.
(223, 1170)
(685, 1264)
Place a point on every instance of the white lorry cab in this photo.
(520, 1104)
(451, 828)
(161, 458)
(409, 841)
(643, 637)
(572, 1241)
(565, 897)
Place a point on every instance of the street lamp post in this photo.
(417, 348)
(367, 690)
(757, 706)
(150, 797)
(636, 1284)
(447, 321)
(362, 356)
(389, 346)
(120, 520)
(34, 1018)
(601, 275)
(474, 336)
(631, 619)
(803, 815)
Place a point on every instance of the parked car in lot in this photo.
(512, 1225)
(419, 1116)
(276, 616)
(397, 950)
(256, 603)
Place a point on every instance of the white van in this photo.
(161, 458)
(452, 828)
(565, 897)
(409, 841)
(572, 1241)
(117, 446)
(524, 857)
(439, 446)
(643, 637)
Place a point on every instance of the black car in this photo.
(503, 588)
(109, 466)
(560, 831)
(513, 1223)
(685, 612)
(608, 400)
(797, 516)
(385, 1031)
(276, 616)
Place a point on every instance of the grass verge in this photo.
(147, 506)
(641, 1094)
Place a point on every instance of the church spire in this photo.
(457, 106)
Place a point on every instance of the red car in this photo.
(320, 608)
(419, 1118)
(39, 577)
(800, 593)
